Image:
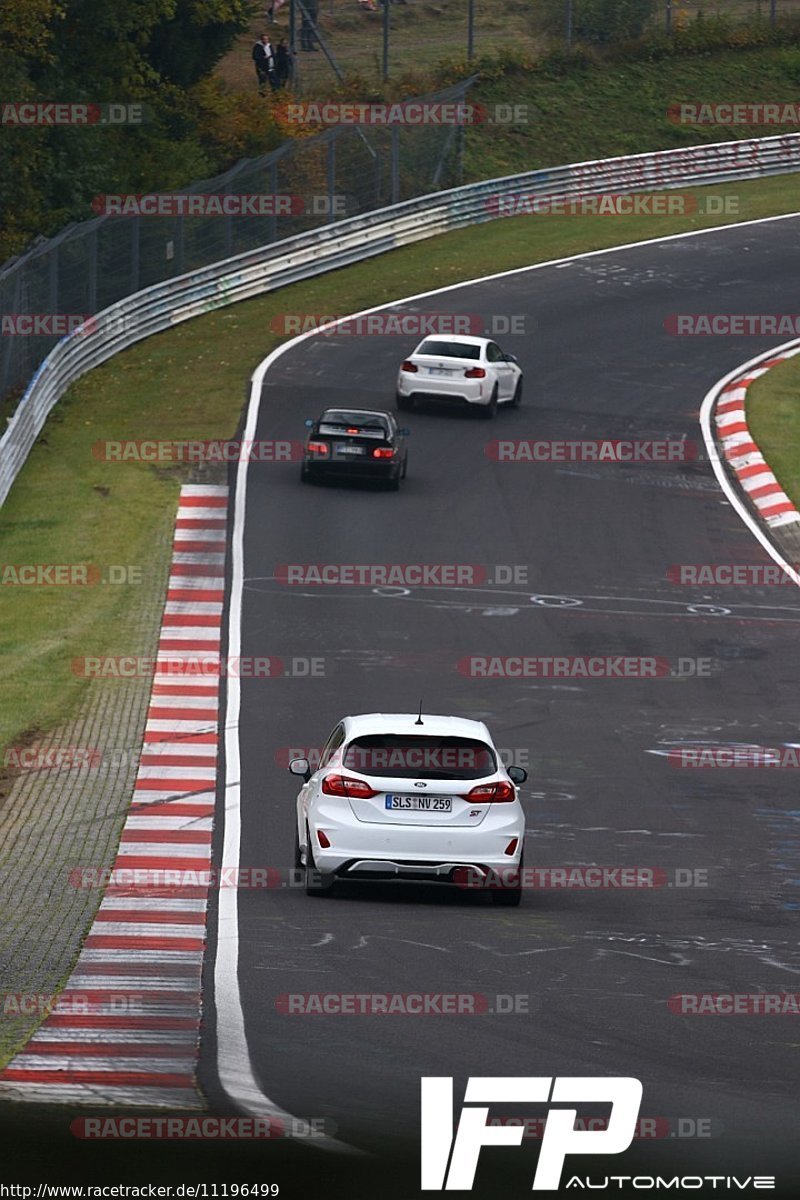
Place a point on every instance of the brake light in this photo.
(475, 373)
(345, 785)
(383, 452)
(410, 367)
(491, 793)
(351, 431)
(317, 448)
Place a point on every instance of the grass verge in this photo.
(69, 507)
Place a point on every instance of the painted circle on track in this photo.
(392, 591)
(708, 610)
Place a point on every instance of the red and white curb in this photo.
(125, 1029)
(743, 455)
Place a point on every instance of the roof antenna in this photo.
(419, 720)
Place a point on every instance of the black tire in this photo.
(516, 399)
(488, 411)
(405, 467)
(298, 861)
(404, 403)
(394, 482)
(317, 882)
(509, 895)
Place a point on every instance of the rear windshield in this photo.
(342, 419)
(450, 349)
(414, 756)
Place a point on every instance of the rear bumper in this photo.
(428, 851)
(363, 469)
(465, 391)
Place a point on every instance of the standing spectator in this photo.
(274, 7)
(282, 64)
(307, 37)
(264, 59)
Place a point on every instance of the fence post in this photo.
(395, 164)
(331, 173)
(135, 252)
(272, 220)
(93, 270)
(385, 68)
(470, 30)
(773, 11)
(568, 22)
(53, 274)
(669, 16)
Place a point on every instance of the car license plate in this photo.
(420, 803)
(439, 371)
(344, 448)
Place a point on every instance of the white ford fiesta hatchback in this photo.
(401, 796)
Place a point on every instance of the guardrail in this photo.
(352, 240)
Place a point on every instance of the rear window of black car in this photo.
(449, 349)
(413, 757)
(366, 425)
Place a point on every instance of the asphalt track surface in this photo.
(597, 968)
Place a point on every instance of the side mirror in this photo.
(404, 432)
(517, 774)
(309, 424)
(300, 766)
(510, 357)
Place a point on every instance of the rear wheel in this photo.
(317, 882)
(298, 858)
(404, 403)
(509, 895)
(516, 399)
(490, 410)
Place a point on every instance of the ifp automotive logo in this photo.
(449, 1164)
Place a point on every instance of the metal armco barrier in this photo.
(357, 238)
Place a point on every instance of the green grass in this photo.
(773, 414)
(69, 507)
(424, 33)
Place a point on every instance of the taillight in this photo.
(410, 367)
(351, 431)
(317, 448)
(491, 793)
(475, 373)
(511, 848)
(383, 452)
(345, 785)
(323, 839)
